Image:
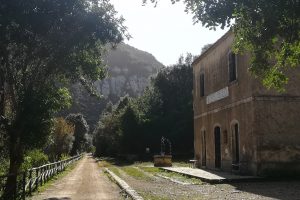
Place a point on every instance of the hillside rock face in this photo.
(129, 69)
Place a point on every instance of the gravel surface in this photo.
(160, 188)
(85, 182)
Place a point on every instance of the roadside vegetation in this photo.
(153, 183)
(164, 109)
(145, 171)
(56, 177)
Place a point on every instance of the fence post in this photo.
(37, 178)
(54, 168)
(47, 172)
(42, 175)
(24, 185)
(59, 167)
(30, 181)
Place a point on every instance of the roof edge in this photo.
(212, 47)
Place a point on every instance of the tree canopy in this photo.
(269, 29)
(164, 109)
(80, 132)
(44, 45)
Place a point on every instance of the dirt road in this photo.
(85, 182)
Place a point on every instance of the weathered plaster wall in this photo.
(277, 126)
(236, 107)
(225, 119)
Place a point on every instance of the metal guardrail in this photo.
(30, 180)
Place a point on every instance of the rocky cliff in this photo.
(129, 69)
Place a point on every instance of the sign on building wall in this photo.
(216, 96)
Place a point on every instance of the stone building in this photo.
(240, 126)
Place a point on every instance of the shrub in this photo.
(34, 158)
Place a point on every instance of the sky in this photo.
(165, 31)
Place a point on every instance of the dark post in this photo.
(37, 179)
(15, 188)
(24, 186)
(30, 181)
(42, 175)
(47, 172)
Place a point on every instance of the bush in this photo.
(64, 156)
(4, 165)
(34, 158)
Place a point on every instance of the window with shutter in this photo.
(201, 85)
(232, 67)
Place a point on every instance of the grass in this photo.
(151, 196)
(173, 175)
(134, 172)
(182, 178)
(144, 168)
(104, 163)
(115, 170)
(181, 164)
(152, 170)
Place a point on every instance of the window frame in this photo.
(202, 85)
(230, 53)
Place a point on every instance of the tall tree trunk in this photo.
(15, 158)
(2, 99)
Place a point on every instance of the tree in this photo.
(131, 140)
(205, 47)
(80, 133)
(268, 29)
(174, 86)
(164, 109)
(61, 139)
(43, 46)
(107, 134)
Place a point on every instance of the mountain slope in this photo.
(130, 70)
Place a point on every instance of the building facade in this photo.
(240, 126)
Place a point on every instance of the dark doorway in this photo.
(203, 136)
(218, 147)
(235, 146)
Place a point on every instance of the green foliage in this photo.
(44, 45)
(135, 172)
(165, 109)
(133, 62)
(60, 141)
(268, 29)
(81, 137)
(37, 120)
(64, 156)
(108, 133)
(34, 158)
(4, 160)
(4, 164)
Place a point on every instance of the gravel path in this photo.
(85, 182)
(159, 188)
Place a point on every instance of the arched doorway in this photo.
(217, 147)
(235, 146)
(203, 149)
